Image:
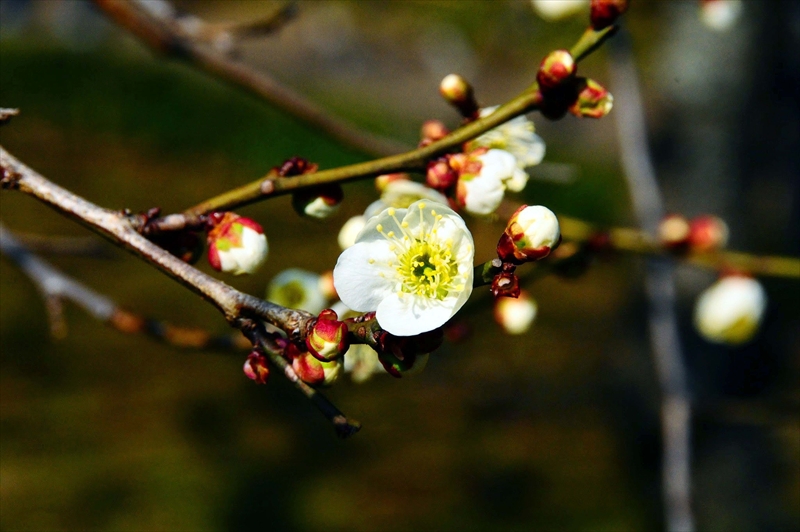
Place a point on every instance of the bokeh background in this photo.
(554, 430)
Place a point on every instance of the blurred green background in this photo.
(554, 430)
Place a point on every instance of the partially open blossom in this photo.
(673, 231)
(604, 13)
(412, 266)
(594, 101)
(531, 233)
(327, 339)
(720, 15)
(556, 68)
(707, 233)
(256, 368)
(318, 202)
(297, 289)
(236, 244)
(730, 311)
(553, 10)
(515, 315)
(440, 175)
(400, 194)
(350, 230)
(483, 178)
(516, 137)
(382, 181)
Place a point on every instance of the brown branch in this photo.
(239, 309)
(166, 36)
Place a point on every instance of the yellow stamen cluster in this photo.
(425, 265)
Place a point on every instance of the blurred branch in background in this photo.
(157, 24)
(648, 207)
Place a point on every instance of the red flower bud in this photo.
(440, 176)
(556, 68)
(593, 101)
(235, 244)
(328, 337)
(707, 233)
(606, 12)
(255, 367)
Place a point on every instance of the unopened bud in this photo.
(433, 130)
(531, 233)
(255, 368)
(730, 311)
(515, 315)
(382, 181)
(604, 13)
(440, 176)
(328, 338)
(556, 68)
(707, 233)
(312, 371)
(593, 101)
(236, 244)
(319, 202)
(458, 93)
(673, 231)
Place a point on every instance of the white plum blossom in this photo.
(553, 10)
(412, 266)
(516, 137)
(402, 193)
(481, 193)
(730, 310)
(236, 244)
(515, 315)
(350, 230)
(297, 289)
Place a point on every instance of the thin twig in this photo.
(165, 36)
(660, 288)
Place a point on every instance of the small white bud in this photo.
(730, 310)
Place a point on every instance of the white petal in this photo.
(362, 285)
(407, 315)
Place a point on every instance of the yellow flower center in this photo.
(425, 265)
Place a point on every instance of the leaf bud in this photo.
(604, 13)
(327, 339)
(594, 100)
(556, 68)
(236, 244)
(256, 368)
(318, 202)
(707, 233)
(531, 233)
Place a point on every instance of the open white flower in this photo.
(516, 137)
(481, 193)
(412, 266)
(730, 310)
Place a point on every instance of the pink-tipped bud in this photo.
(531, 233)
(707, 233)
(318, 202)
(312, 371)
(382, 181)
(556, 68)
(458, 93)
(328, 338)
(440, 176)
(433, 130)
(594, 100)
(673, 231)
(236, 244)
(604, 13)
(255, 368)
(515, 315)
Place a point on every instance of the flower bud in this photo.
(328, 337)
(297, 289)
(382, 181)
(318, 202)
(730, 311)
(556, 68)
(440, 176)
(531, 233)
(236, 244)
(458, 93)
(707, 233)
(350, 230)
(593, 101)
(673, 231)
(515, 315)
(312, 371)
(604, 13)
(433, 130)
(255, 367)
